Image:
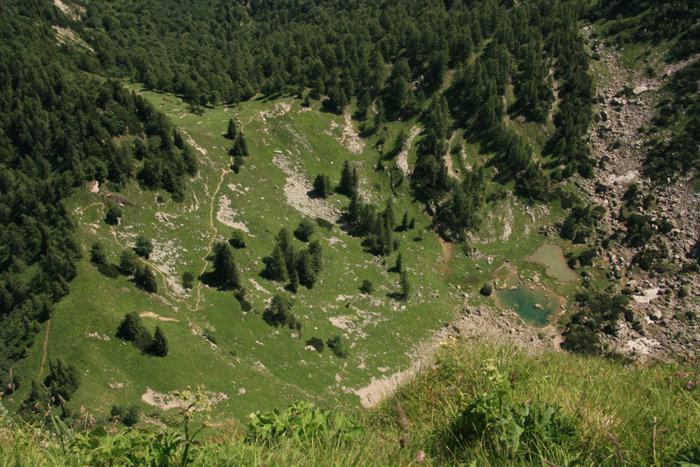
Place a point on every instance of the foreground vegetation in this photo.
(479, 405)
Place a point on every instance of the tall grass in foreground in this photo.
(479, 405)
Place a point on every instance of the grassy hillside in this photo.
(534, 409)
(236, 354)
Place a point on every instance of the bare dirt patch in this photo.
(168, 401)
(194, 144)
(150, 314)
(166, 219)
(164, 258)
(297, 189)
(348, 137)
(226, 215)
(72, 11)
(355, 324)
(402, 159)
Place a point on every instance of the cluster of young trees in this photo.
(580, 224)
(286, 264)
(674, 147)
(57, 388)
(364, 219)
(597, 312)
(132, 329)
(278, 313)
(239, 149)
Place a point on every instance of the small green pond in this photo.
(551, 257)
(524, 301)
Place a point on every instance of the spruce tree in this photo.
(146, 279)
(305, 230)
(63, 380)
(130, 327)
(275, 265)
(128, 262)
(160, 344)
(143, 247)
(405, 286)
(388, 215)
(283, 239)
(304, 267)
(355, 208)
(363, 106)
(225, 267)
(293, 281)
(316, 256)
(346, 184)
(398, 267)
(97, 254)
(232, 131)
(322, 186)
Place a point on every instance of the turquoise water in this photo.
(523, 301)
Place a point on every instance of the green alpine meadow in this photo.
(273, 232)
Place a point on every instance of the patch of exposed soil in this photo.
(72, 11)
(150, 314)
(164, 257)
(194, 144)
(348, 137)
(402, 159)
(168, 401)
(226, 215)
(297, 190)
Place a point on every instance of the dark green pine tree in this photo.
(284, 240)
(322, 186)
(293, 281)
(97, 254)
(398, 267)
(388, 215)
(146, 279)
(346, 186)
(404, 222)
(275, 265)
(128, 262)
(355, 208)
(143, 247)
(305, 269)
(63, 380)
(159, 347)
(363, 106)
(129, 327)
(405, 286)
(232, 131)
(316, 256)
(241, 146)
(225, 268)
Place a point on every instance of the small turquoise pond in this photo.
(524, 302)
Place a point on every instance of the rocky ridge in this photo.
(669, 321)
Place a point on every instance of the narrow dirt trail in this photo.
(212, 226)
(46, 344)
(215, 233)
